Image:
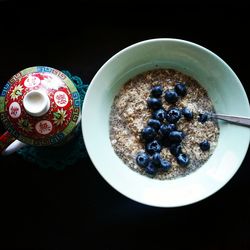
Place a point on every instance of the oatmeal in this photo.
(137, 119)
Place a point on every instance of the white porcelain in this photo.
(228, 97)
(36, 103)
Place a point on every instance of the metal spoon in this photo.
(240, 120)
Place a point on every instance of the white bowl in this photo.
(223, 87)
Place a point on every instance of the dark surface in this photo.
(50, 209)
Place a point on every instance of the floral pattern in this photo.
(59, 117)
(25, 125)
(16, 92)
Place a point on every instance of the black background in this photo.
(73, 208)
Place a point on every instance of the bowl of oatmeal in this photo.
(146, 123)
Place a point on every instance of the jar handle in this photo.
(8, 144)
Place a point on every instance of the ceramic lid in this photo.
(40, 106)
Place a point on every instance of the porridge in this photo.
(159, 124)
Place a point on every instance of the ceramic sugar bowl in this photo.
(39, 106)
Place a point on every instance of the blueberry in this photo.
(165, 165)
(175, 149)
(159, 114)
(173, 115)
(156, 159)
(176, 136)
(165, 129)
(187, 113)
(171, 126)
(203, 118)
(153, 147)
(154, 103)
(171, 96)
(165, 142)
(205, 145)
(148, 133)
(142, 159)
(156, 91)
(182, 160)
(150, 169)
(181, 89)
(156, 124)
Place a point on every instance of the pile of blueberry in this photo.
(161, 130)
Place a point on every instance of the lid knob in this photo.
(36, 103)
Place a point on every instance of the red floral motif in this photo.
(31, 81)
(59, 115)
(44, 127)
(14, 110)
(61, 99)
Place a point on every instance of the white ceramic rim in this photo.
(150, 199)
(30, 105)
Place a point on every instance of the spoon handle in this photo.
(234, 119)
